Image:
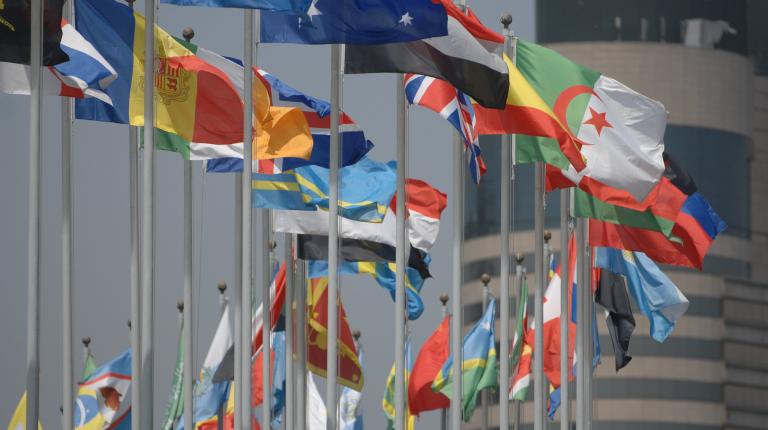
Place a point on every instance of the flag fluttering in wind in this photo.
(316, 411)
(388, 402)
(522, 352)
(350, 403)
(86, 410)
(433, 354)
(175, 408)
(112, 383)
(19, 418)
(16, 27)
(612, 295)
(296, 6)
(478, 370)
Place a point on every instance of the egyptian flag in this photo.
(612, 295)
(15, 31)
(464, 57)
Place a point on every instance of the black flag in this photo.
(612, 295)
(16, 29)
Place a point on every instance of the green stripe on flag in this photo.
(175, 407)
(587, 206)
(165, 141)
(531, 149)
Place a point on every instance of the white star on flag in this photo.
(406, 19)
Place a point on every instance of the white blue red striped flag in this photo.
(453, 105)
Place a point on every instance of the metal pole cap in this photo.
(547, 235)
(128, 323)
(506, 19)
(180, 305)
(356, 334)
(188, 33)
(86, 341)
(444, 298)
(485, 279)
(519, 257)
(222, 287)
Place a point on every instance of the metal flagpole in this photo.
(333, 240)
(290, 284)
(245, 190)
(33, 214)
(565, 286)
(238, 307)
(580, 332)
(444, 309)
(539, 388)
(67, 212)
(222, 287)
(519, 277)
(301, 344)
(589, 350)
(401, 115)
(507, 143)
(457, 210)
(484, 397)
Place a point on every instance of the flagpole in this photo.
(290, 283)
(245, 190)
(457, 210)
(581, 406)
(565, 286)
(333, 241)
(301, 354)
(444, 310)
(401, 115)
(222, 287)
(589, 349)
(33, 215)
(238, 307)
(507, 142)
(484, 397)
(519, 276)
(539, 389)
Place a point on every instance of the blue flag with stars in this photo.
(361, 22)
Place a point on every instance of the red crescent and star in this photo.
(560, 109)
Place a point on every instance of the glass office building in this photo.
(707, 61)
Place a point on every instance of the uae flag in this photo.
(16, 28)
(464, 57)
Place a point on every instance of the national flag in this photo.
(478, 369)
(350, 372)
(657, 296)
(257, 375)
(424, 203)
(350, 403)
(612, 295)
(196, 98)
(89, 364)
(112, 382)
(521, 327)
(463, 57)
(278, 380)
(433, 354)
(86, 409)
(211, 395)
(354, 145)
(388, 402)
(385, 276)
(19, 418)
(16, 28)
(367, 188)
(85, 74)
(316, 411)
(351, 21)
(175, 406)
(296, 6)
(278, 191)
(455, 107)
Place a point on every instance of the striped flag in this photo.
(112, 382)
(454, 106)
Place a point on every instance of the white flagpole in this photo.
(457, 209)
(238, 307)
(444, 309)
(245, 312)
(539, 388)
(290, 367)
(220, 412)
(301, 344)
(589, 350)
(580, 332)
(333, 241)
(484, 395)
(565, 286)
(507, 145)
(519, 278)
(401, 115)
(33, 215)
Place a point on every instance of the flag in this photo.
(175, 407)
(522, 350)
(278, 379)
(478, 369)
(388, 402)
(521, 326)
(195, 98)
(367, 188)
(85, 74)
(278, 191)
(455, 107)
(316, 411)
(433, 354)
(89, 364)
(112, 382)
(297, 6)
(19, 418)
(424, 203)
(16, 28)
(351, 21)
(657, 296)
(350, 403)
(612, 295)
(463, 57)
(385, 276)
(350, 372)
(86, 410)
(354, 145)
(211, 395)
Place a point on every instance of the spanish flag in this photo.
(194, 98)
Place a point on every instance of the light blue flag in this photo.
(278, 191)
(294, 6)
(350, 405)
(278, 379)
(658, 297)
(367, 188)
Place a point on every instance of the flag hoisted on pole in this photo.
(401, 247)
(507, 146)
(457, 209)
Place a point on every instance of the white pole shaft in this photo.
(220, 412)
(519, 279)
(33, 216)
(188, 340)
(333, 241)
(133, 193)
(457, 210)
(565, 287)
(444, 412)
(238, 307)
(266, 406)
(589, 350)
(301, 344)
(290, 368)
(580, 332)
(401, 244)
(539, 388)
(245, 312)
(484, 398)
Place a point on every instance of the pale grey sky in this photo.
(101, 221)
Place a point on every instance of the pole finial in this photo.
(272, 245)
(444, 298)
(506, 19)
(356, 334)
(180, 305)
(547, 235)
(128, 323)
(188, 33)
(519, 257)
(222, 287)
(485, 279)
(86, 341)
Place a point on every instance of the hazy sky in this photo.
(101, 221)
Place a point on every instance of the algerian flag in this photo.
(621, 130)
(175, 407)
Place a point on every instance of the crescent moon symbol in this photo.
(564, 100)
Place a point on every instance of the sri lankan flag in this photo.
(194, 98)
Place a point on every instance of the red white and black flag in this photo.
(16, 29)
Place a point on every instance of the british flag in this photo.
(453, 105)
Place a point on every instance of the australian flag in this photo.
(454, 106)
(356, 21)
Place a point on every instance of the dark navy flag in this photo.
(296, 6)
(357, 21)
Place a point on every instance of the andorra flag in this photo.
(195, 97)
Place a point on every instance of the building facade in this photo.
(707, 61)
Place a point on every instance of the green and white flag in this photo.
(175, 407)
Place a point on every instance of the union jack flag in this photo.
(454, 106)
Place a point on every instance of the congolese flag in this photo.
(193, 98)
